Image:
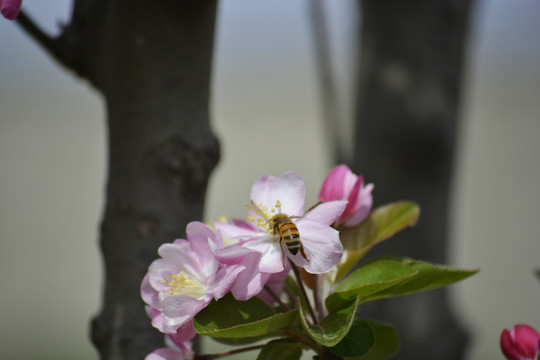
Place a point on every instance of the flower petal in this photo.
(224, 280)
(288, 189)
(338, 184)
(526, 340)
(183, 334)
(327, 212)
(321, 244)
(508, 347)
(166, 354)
(362, 207)
(272, 255)
(149, 294)
(242, 232)
(175, 258)
(178, 309)
(251, 281)
(353, 198)
(232, 254)
(199, 235)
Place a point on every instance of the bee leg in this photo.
(282, 251)
(303, 253)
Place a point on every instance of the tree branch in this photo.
(50, 44)
(65, 48)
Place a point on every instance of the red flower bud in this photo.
(10, 8)
(522, 342)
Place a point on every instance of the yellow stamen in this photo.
(183, 284)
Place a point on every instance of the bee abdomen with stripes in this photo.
(288, 234)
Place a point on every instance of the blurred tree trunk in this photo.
(408, 97)
(152, 62)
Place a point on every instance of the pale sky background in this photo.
(52, 161)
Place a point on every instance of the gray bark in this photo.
(151, 61)
(408, 98)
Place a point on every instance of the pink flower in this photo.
(342, 184)
(186, 278)
(168, 354)
(522, 342)
(321, 248)
(175, 351)
(10, 8)
(184, 333)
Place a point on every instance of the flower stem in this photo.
(317, 296)
(303, 292)
(289, 295)
(277, 299)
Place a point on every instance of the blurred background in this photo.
(53, 161)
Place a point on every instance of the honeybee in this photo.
(282, 225)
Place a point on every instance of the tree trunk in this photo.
(152, 63)
(409, 82)
(155, 74)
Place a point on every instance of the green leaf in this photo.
(282, 349)
(357, 342)
(382, 223)
(368, 280)
(246, 340)
(230, 318)
(332, 328)
(429, 276)
(384, 341)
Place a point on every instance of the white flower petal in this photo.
(272, 256)
(178, 309)
(288, 189)
(321, 244)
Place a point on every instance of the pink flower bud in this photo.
(522, 342)
(342, 184)
(10, 8)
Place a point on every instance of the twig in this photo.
(65, 48)
(50, 44)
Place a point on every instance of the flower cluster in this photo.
(280, 273)
(245, 256)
